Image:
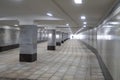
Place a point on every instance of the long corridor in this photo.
(70, 61)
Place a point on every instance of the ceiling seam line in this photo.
(109, 12)
(64, 11)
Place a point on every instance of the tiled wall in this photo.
(107, 43)
(10, 35)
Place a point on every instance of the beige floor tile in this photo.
(70, 61)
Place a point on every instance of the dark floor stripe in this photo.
(105, 70)
(3, 78)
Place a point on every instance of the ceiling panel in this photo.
(65, 10)
(94, 10)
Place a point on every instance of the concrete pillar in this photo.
(51, 39)
(28, 43)
(58, 38)
(65, 36)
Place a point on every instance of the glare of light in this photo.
(16, 25)
(67, 24)
(78, 1)
(79, 30)
(82, 37)
(104, 37)
(49, 14)
(84, 22)
(114, 23)
(75, 36)
(50, 35)
(17, 28)
(83, 17)
(108, 26)
(6, 27)
(57, 36)
(84, 26)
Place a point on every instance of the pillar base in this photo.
(28, 57)
(58, 44)
(51, 48)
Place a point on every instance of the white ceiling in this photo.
(65, 10)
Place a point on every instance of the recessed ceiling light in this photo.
(83, 17)
(78, 1)
(49, 14)
(85, 23)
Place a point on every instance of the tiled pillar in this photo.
(65, 36)
(28, 43)
(58, 38)
(51, 39)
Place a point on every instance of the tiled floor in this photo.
(71, 61)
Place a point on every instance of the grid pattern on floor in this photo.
(71, 61)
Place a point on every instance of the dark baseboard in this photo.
(41, 41)
(28, 57)
(105, 70)
(58, 44)
(66, 39)
(13, 46)
(6, 78)
(51, 48)
(8, 47)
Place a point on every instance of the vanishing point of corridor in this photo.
(71, 61)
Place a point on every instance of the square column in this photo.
(58, 38)
(51, 39)
(28, 43)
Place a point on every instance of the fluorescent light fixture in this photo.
(84, 22)
(83, 17)
(78, 1)
(49, 14)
